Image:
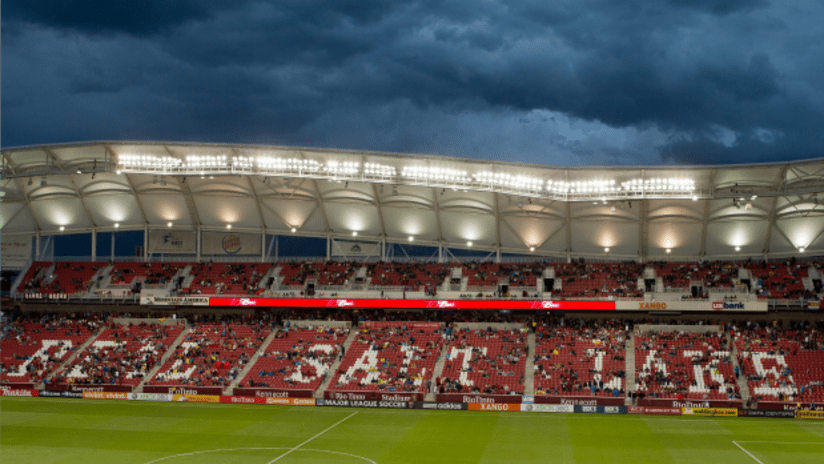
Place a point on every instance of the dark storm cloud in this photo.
(102, 16)
(568, 82)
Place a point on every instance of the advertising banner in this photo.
(152, 300)
(786, 406)
(59, 394)
(473, 398)
(172, 241)
(103, 395)
(711, 412)
(24, 393)
(686, 306)
(242, 399)
(272, 393)
(182, 390)
(197, 398)
(671, 403)
(565, 408)
(230, 243)
(494, 406)
(366, 404)
(766, 413)
(355, 249)
(529, 305)
(291, 401)
(601, 409)
(15, 252)
(441, 406)
(809, 414)
(372, 396)
(653, 410)
(91, 388)
(150, 397)
(580, 400)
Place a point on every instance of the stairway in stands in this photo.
(186, 329)
(437, 371)
(529, 375)
(228, 390)
(629, 356)
(330, 374)
(743, 386)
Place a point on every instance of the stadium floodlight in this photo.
(116, 225)
(508, 181)
(411, 238)
(169, 224)
(434, 174)
(294, 229)
(228, 226)
(378, 170)
(532, 248)
(669, 250)
(345, 168)
(148, 162)
(469, 244)
(62, 228)
(801, 249)
(606, 249)
(355, 233)
(738, 248)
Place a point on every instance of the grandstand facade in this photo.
(443, 279)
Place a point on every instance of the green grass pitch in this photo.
(39, 431)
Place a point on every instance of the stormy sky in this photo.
(567, 82)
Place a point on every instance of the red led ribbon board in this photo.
(417, 304)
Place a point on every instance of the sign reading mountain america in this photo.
(174, 301)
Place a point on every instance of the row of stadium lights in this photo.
(412, 238)
(267, 164)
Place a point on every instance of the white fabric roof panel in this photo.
(785, 215)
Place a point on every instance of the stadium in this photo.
(313, 305)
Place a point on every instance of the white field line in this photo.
(227, 450)
(750, 454)
(316, 436)
(785, 442)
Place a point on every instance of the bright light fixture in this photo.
(801, 249)
(355, 233)
(228, 226)
(294, 229)
(669, 250)
(606, 249)
(116, 225)
(738, 248)
(469, 244)
(62, 228)
(169, 224)
(411, 238)
(531, 248)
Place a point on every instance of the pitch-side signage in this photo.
(720, 306)
(417, 304)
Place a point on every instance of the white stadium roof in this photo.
(634, 212)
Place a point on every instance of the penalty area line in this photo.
(744, 450)
(316, 436)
